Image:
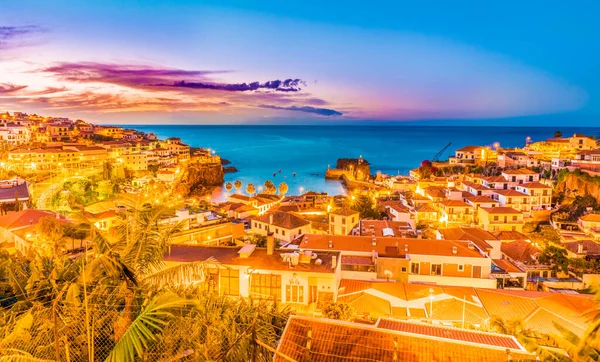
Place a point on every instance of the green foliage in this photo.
(556, 257)
(259, 240)
(121, 299)
(150, 321)
(365, 206)
(340, 311)
(577, 208)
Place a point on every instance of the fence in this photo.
(221, 330)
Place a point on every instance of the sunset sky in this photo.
(263, 62)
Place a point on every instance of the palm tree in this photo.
(228, 186)
(250, 189)
(283, 188)
(238, 185)
(118, 301)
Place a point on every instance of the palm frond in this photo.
(150, 322)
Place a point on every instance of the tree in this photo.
(269, 187)
(49, 241)
(558, 134)
(259, 240)
(228, 186)
(238, 185)
(283, 188)
(250, 189)
(556, 257)
(340, 311)
(107, 170)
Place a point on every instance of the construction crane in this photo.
(439, 154)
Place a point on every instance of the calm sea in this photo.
(260, 151)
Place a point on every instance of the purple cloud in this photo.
(136, 76)
(307, 109)
(9, 34)
(288, 85)
(10, 88)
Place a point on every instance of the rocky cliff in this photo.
(199, 179)
(574, 184)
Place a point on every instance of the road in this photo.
(44, 201)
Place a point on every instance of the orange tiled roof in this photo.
(344, 211)
(500, 210)
(454, 203)
(365, 244)
(513, 193)
(481, 200)
(282, 219)
(535, 185)
(520, 171)
(490, 339)
(334, 341)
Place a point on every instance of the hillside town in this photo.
(490, 255)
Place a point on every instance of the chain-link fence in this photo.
(219, 329)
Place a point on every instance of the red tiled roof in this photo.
(520, 250)
(490, 339)
(22, 218)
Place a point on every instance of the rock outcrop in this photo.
(576, 183)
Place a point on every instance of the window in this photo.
(229, 281)
(404, 269)
(414, 268)
(283, 232)
(436, 269)
(276, 231)
(461, 267)
(299, 231)
(515, 218)
(294, 293)
(266, 286)
(496, 218)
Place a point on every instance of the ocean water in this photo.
(259, 151)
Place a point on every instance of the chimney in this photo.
(271, 219)
(455, 250)
(580, 248)
(471, 246)
(270, 243)
(330, 244)
(373, 241)
(406, 248)
(333, 262)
